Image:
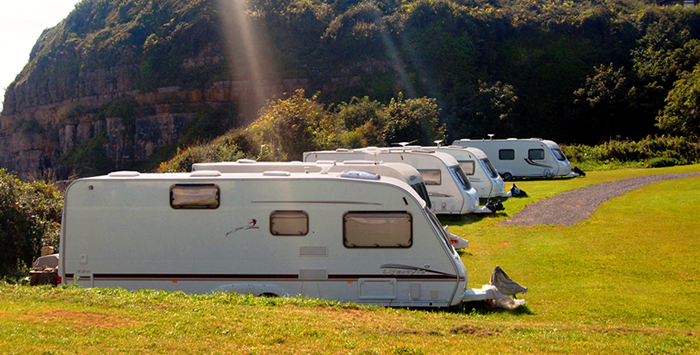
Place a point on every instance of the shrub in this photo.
(29, 219)
(661, 162)
(681, 150)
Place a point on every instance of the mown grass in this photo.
(624, 281)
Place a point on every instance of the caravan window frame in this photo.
(506, 154)
(288, 214)
(358, 217)
(203, 201)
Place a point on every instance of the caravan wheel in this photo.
(507, 177)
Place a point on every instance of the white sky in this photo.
(21, 24)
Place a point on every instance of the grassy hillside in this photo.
(623, 281)
(576, 72)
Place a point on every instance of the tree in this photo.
(29, 219)
(364, 119)
(491, 109)
(413, 120)
(287, 128)
(681, 115)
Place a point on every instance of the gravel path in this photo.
(571, 207)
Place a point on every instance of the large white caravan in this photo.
(400, 171)
(477, 167)
(348, 237)
(449, 189)
(523, 158)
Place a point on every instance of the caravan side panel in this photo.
(283, 237)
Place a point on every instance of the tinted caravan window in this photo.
(535, 154)
(431, 177)
(377, 230)
(289, 223)
(506, 154)
(558, 154)
(190, 196)
(490, 169)
(467, 166)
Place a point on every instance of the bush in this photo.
(30, 214)
(661, 162)
(680, 150)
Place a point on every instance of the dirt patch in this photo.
(573, 206)
(85, 319)
(471, 330)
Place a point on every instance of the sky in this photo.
(21, 24)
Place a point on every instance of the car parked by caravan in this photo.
(449, 189)
(351, 237)
(523, 158)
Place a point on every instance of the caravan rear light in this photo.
(58, 280)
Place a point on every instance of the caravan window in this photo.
(431, 177)
(490, 169)
(377, 230)
(461, 178)
(535, 154)
(289, 223)
(191, 196)
(423, 193)
(467, 166)
(506, 154)
(559, 154)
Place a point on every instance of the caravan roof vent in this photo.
(124, 174)
(361, 162)
(276, 173)
(512, 139)
(355, 174)
(245, 161)
(342, 150)
(205, 173)
(536, 139)
(420, 150)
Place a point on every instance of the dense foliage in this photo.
(654, 151)
(287, 128)
(577, 72)
(30, 214)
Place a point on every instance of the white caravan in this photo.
(352, 238)
(523, 158)
(400, 171)
(477, 167)
(449, 189)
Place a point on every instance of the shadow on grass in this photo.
(484, 307)
(461, 220)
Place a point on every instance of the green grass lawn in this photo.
(625, 281)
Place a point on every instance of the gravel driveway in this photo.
(571, 207)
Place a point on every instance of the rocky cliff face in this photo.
(43, 122)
